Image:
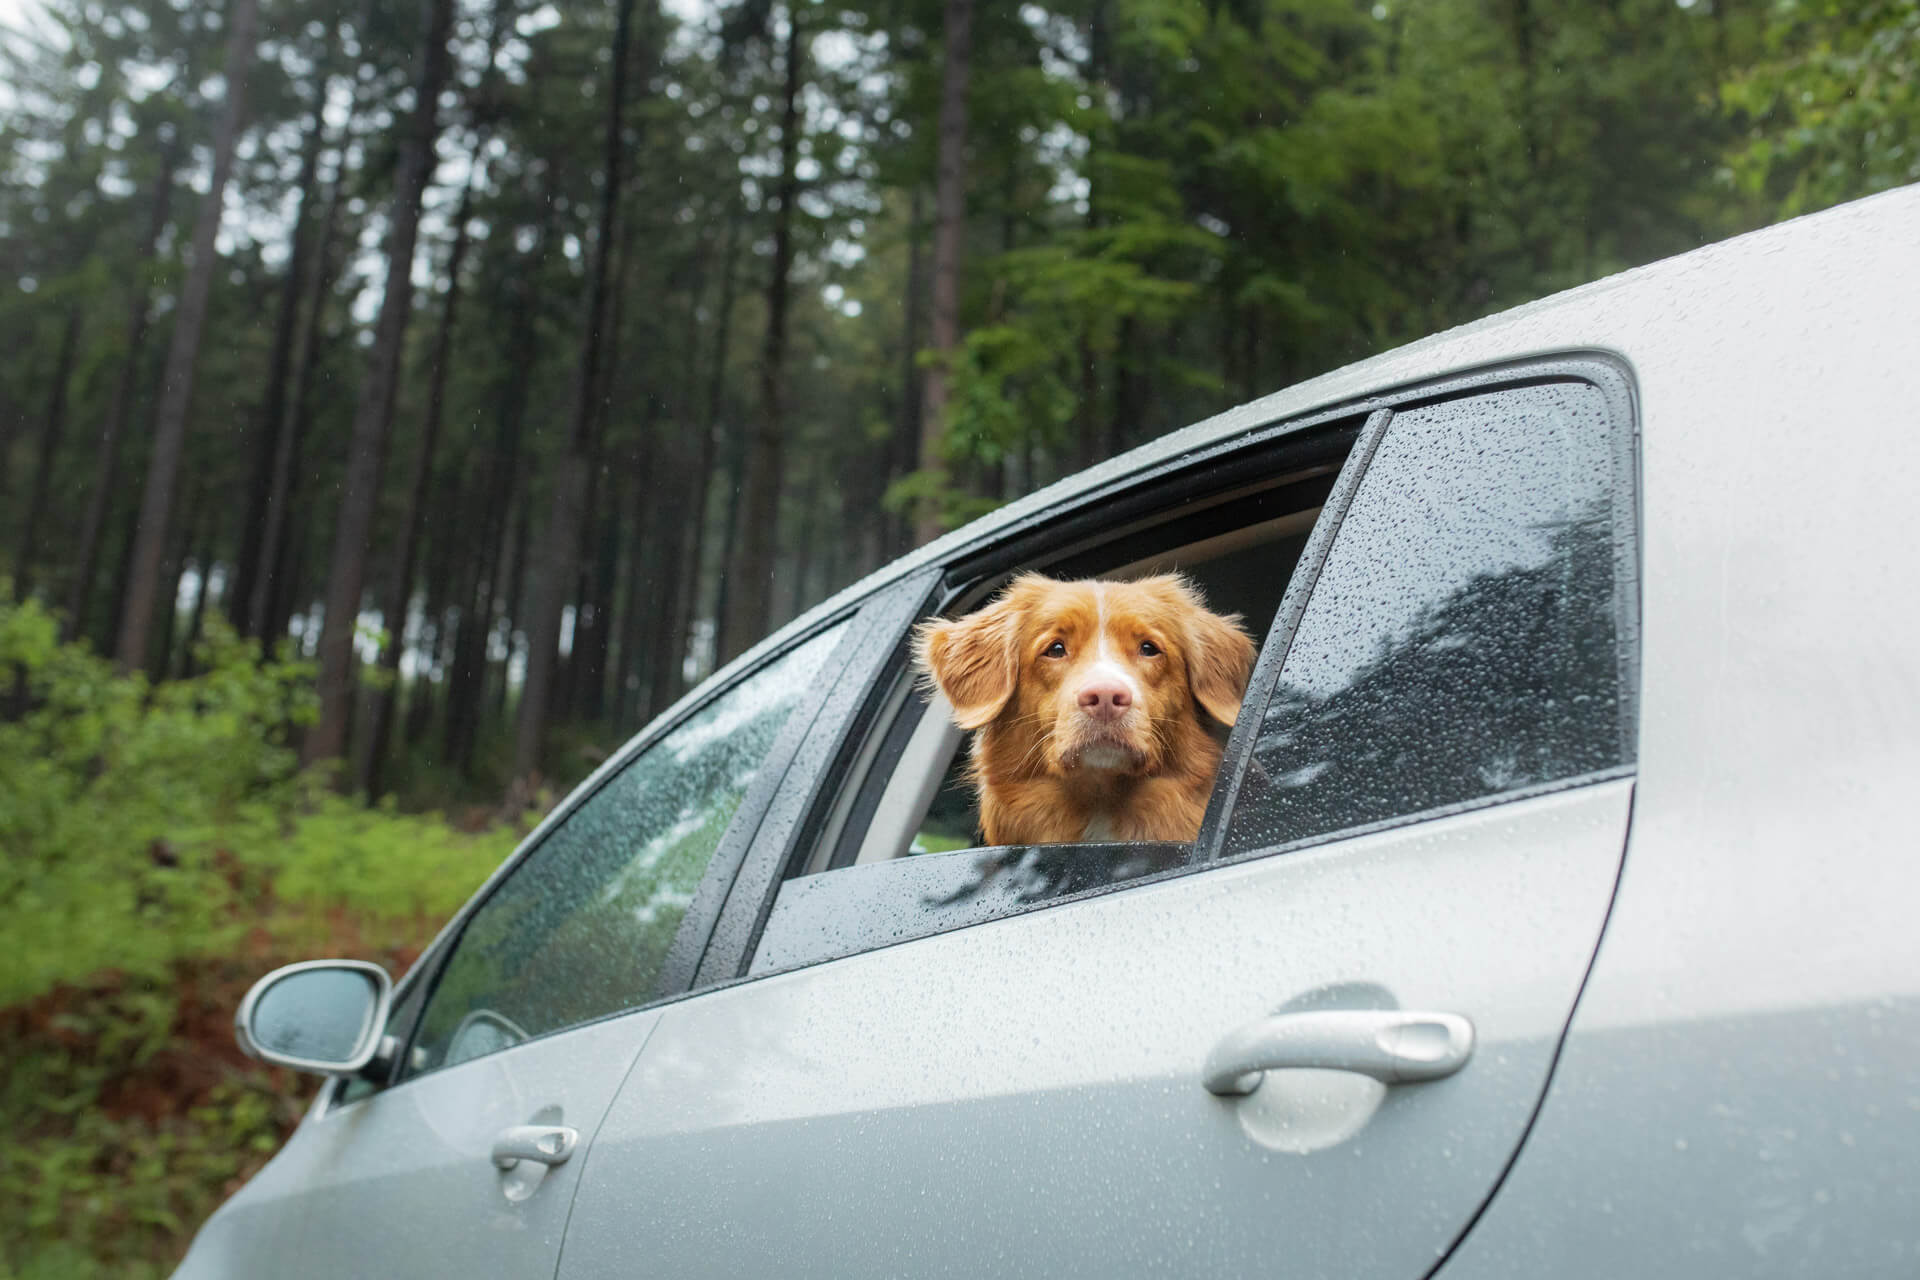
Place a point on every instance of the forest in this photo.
(402, 401)
(518, 363)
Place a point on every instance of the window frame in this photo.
(1109, 513)
(414, 990)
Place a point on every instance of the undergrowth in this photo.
(159, 850)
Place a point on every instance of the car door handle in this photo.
(547, 1143)
(1391, 1045)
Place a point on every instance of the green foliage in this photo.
(163, 851)
(1834, 106)
(114, 799)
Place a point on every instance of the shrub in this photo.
(159, 849)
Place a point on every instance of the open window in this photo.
(1236, 529)
(1441, 592)
(915, 797)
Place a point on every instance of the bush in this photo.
(161, 850)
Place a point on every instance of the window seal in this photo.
(796, 800)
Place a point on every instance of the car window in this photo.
(580, 929)
(1464, 633)
(1462, 639)
(902, 855)
(921, 796)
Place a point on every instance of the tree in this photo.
(560, 544)
(106, 475)
(373, 413)
(170, 424)
(950, 224)
(749, 599)
(1832, 107)
(273, 433)
(52, 426)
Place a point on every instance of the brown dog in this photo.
(1091, 700)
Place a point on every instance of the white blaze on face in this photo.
(1106, 659)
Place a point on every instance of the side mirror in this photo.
(322, 1016)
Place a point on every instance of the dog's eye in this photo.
(1148, 649)
(1055, 650)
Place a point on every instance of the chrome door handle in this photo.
(1391, 1045)
(546, 1143)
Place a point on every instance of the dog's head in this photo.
(1066, 677)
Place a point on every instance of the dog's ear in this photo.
(1219, 660)
(974, 660)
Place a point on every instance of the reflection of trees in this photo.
(1023, 874)
(1511, 680)
(582, 929)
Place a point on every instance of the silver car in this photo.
(1554, 915)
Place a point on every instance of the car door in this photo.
(465, 1162)
(1409, 863)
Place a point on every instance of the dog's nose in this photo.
(1105, 700)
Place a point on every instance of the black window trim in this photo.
(1114, 510)
(845, 714)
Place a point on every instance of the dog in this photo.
(1099, 707)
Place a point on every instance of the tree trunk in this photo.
(466, 672)
(373, 413)
(122, 566)
(373, 742)
(106, 471)
(750, 577)
(581, 694)
(714, 471)
(170, 428)
(288, 593)
(371, 756)
(630, 688)
(687, 594)
(950, 225)
(274, 423)
(196, 622)
(590, 652)
(269, 603)
(50, 431)
(906, 440)
(732, 482)
(665, 643)
(174, 569)
(513, 601)
(560, 542)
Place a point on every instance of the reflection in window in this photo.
(1462, 638)
(581, 930)
(856, 909)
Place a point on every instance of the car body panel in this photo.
(1024, 1095)
(403, 1183)
(1740, 1091)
